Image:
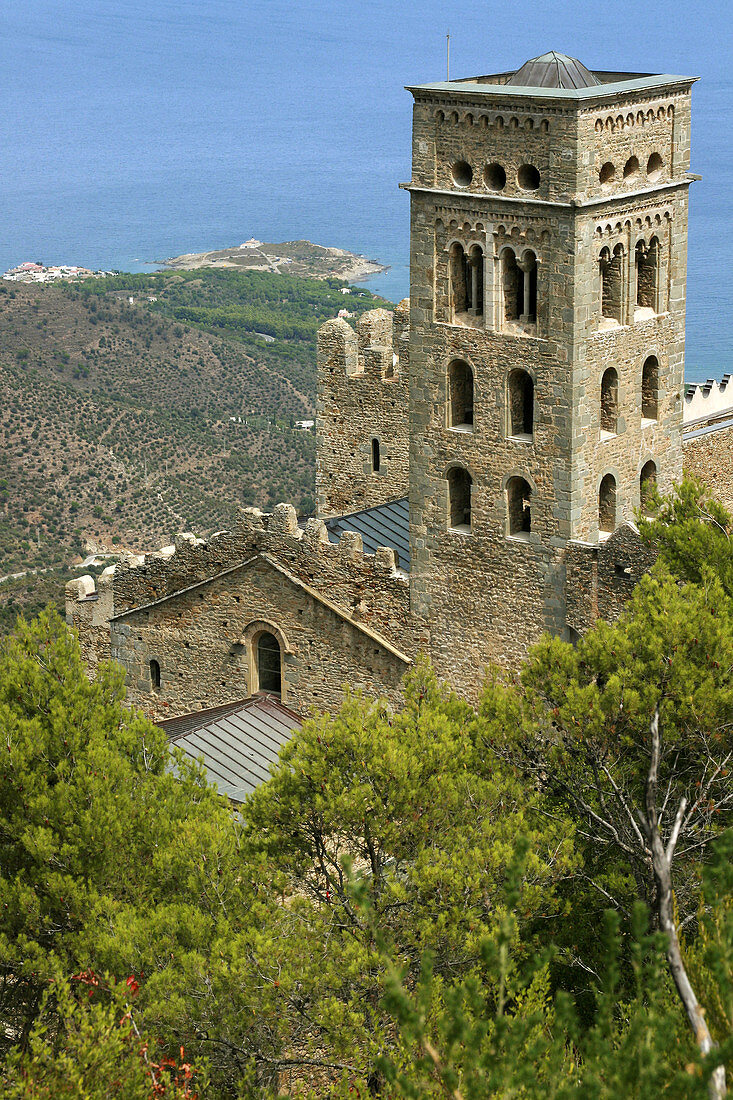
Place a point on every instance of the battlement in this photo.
(710, 400)
(362, 411)
(376, 348)
(304, 550)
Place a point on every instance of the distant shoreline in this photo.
(289, 257)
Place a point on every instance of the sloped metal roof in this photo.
(384, 525)
(238, 741)
(553, 70)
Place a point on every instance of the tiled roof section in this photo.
(238, 741)
(553, 70)
(385, 525)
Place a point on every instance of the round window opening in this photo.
(631, 168)
(654, 167)
(528, 177)
(495, 177)
(607, 174)
(462, 173)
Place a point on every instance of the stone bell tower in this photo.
(547, 310)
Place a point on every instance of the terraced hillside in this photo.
(124, 421)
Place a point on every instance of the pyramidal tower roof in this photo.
(553, 70)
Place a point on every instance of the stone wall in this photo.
(362, 405)
(341, 617)
(709, 458)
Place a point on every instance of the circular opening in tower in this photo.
(654, 167)
(607, 174)
(631, 168)
(462, 173)
(495, 177)
(528, 177)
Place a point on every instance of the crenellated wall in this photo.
(362, 404)
(341, 616)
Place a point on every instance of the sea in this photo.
(134, 131)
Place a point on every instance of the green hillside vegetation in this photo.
(123, 423)
(422, 903)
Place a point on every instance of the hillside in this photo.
(123, 422)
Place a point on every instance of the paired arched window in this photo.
(519, 512)
(520, 404)
(647, 275)
(650, 388)
(609, 401)
(466, 272)
(459, 499)
(607, 505)
(268, 662)
(612, 283)
(376, 457)
(460, 395)
(519, 286)
(154, 675)
(647, 484)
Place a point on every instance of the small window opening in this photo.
(521, 404)
(459, 499)
(607, 174)
(460, 395)
(462, 173)
(631, 168)
(654, 167)
(647, 269)
(612, 265)
(519, 514)
(155, 675)
(607, 505)
(609, 402)
(650, 388)
(268, 663)
(375, 456)
(647, 485)
(528, 177)
(495, 177)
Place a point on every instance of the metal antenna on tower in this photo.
(447, 57)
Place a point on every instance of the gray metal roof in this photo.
(606, 89)
(238, 741)
(707, 429)
(384, 525)
(553, 70)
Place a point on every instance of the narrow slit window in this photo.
(609, 402)
(476, 281)
(647, 485)
(521, 404)
(459, 281)
(519, 510)
(460, 395)
(459, 499)
(650, 388)
(607, 505)
(376, 458)
(154, 675)
(269, 675)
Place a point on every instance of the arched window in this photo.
(476, 281)
(647, 485)
(519, 286)
(607, 505)
(519, 515)
(647, 275)
(612, 282)
(375, 456)
(520, 404)
(460, 395)
(650, 388)
(459, 499)
(459, 280)
(269, 674)
(154, 675)
(609, 402)
(510, 280)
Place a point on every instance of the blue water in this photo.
(140, 130)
